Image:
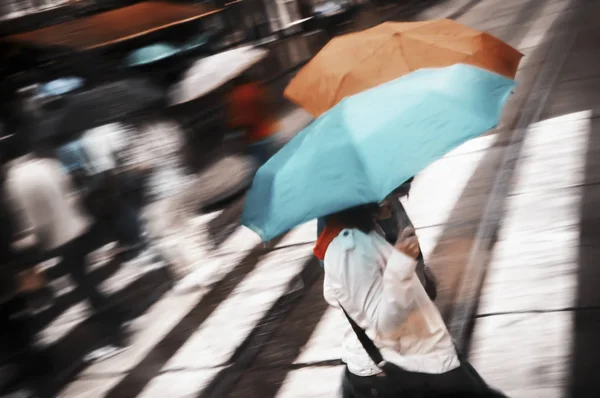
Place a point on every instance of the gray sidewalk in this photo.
(537, 325)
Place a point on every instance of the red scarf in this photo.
(331, 231)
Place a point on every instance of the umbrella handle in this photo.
(403, 222)
(400, 215)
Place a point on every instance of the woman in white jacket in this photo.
(400, 346)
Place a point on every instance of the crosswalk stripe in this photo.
(183, 383)
(62, 325)
(313, 382)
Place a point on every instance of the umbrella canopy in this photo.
(101, 105)
(208, 74)
(150, 54)
(61, 86)
(358, 61)
(370, 143)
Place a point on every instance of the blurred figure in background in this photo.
(53, 224)
(22, 365)
(101, 146)
(252, 111)
(108, 187)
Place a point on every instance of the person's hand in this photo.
(408, 243)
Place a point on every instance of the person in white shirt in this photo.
(399, 345)
(52, 223)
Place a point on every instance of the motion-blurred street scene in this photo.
(130, 135)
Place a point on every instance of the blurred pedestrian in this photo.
(108, 187)
(101, 146)
(400, 346)
(22, 366)
(53, 224)
(252, 111)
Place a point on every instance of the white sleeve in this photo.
(375, 298)
(398, 295)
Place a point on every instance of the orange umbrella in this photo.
(358, 61)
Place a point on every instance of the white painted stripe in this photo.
(303, 234)
(554, 154)
(477, 144)
(436, 190)
(63, 324)
(183, 383)
(240, 242)
(317, 382)
(542, 344)
(91, 388)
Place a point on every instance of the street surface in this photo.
(537, 325)
(256, 325)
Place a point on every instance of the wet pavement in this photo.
(254, 324)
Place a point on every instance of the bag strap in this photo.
(366, 342)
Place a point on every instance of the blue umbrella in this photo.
(61, 86)
(370, 143)
(150, 54)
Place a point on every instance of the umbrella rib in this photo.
(438, 43)
(333, 102)
(403, 54)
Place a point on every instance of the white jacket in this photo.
(378, 287)
(39, 193)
